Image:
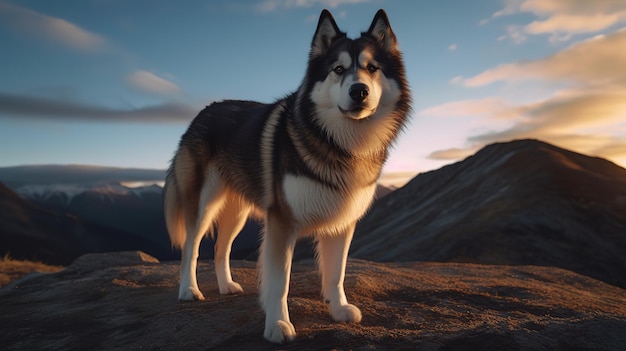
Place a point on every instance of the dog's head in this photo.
(355, 78)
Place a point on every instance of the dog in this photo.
(306, 165)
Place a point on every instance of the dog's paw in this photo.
(346, 313)
(190, 294)
(279, 332)
(231, 288)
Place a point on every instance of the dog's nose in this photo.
(358, 92)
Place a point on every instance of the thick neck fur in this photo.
(354, 158)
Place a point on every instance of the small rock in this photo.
(94, 261)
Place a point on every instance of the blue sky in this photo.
(116, 83)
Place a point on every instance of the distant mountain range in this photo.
(521, 202)
(18, 176)
(28, 231)
(100, 203)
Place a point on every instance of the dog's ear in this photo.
(327, 31)
(381, 30)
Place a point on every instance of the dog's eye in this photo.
(339, 69)
(371, 68)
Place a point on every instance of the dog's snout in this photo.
(358, 92)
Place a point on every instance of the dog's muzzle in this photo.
(358, 109)
(358, 92)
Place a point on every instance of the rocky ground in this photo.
(127, 301)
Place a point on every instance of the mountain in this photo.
(76, 174)
(522, 202)
(138, 211)
(28, 231)
(124, 199)
(134, 210)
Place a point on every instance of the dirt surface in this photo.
(127, 301)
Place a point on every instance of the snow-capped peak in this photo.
(44, 192)
(67, 192)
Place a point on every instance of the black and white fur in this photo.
(306, 164)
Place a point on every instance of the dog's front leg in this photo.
(275, 268)
(332, 256)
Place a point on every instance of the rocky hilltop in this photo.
(127, 301)
(516, 203)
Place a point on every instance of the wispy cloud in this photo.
(576, 113)
(561, 19)
(274, 5)
(462, 108)
(27, 106)
(151, 83)
(452, 154)
(71, 36)
(597, 61)
(514, 33)
(51, 28)
(586, 113)
(581, 120)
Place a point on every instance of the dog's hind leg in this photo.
(230, 222)
(332, 251)
(210, 203)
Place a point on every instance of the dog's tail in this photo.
(172, 208)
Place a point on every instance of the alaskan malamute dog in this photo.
(306, 164)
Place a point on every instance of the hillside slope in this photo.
(523, 202)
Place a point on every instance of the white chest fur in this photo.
(318, 207)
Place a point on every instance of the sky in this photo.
(116, 82)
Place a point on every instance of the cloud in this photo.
(51, 28)
(479, 107)
(596, 61)
(573, 23)
(452, 154)
(515, 34)
(572, 113)
(452, 47)
(151, 83)
(561, 19)
(457, 80)
(273, 5)
(396, 179)
(510, 7)
(583, 120)
(26, 106)
(586, 111)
